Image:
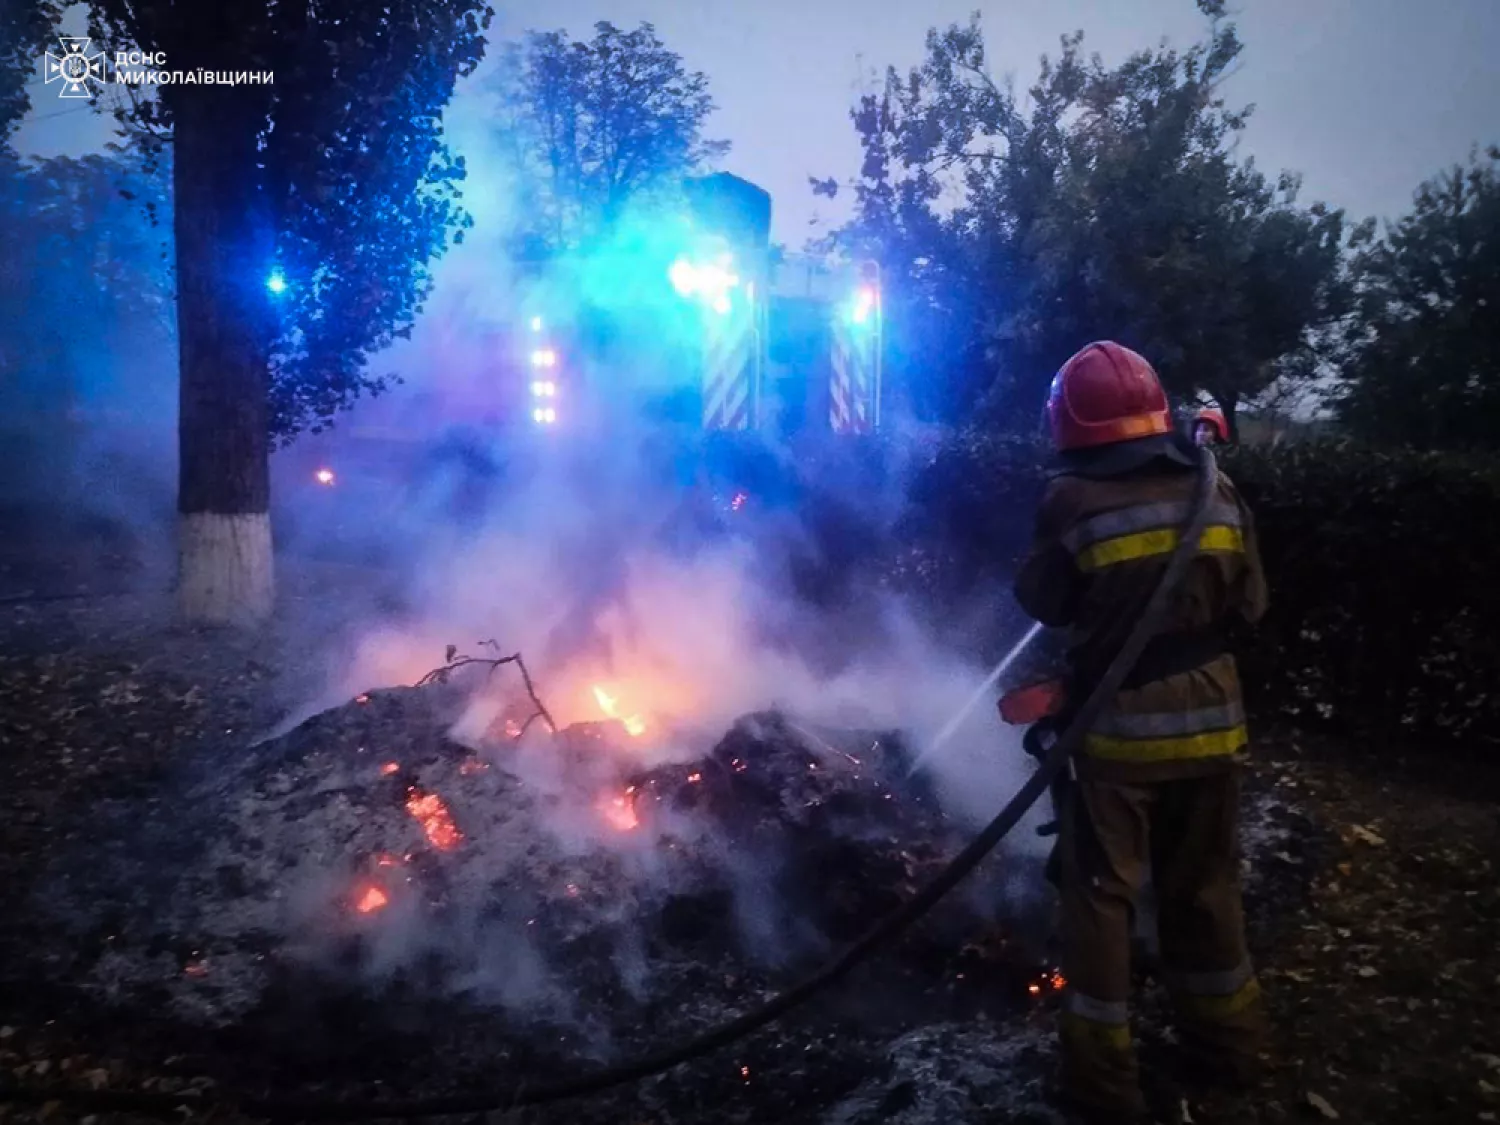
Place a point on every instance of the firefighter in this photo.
(1157, 781)
(1210, 428)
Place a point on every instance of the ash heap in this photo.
(442, 872)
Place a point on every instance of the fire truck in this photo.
(696, 334)
(711, 329)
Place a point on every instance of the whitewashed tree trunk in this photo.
(226, 569)
(224, 328)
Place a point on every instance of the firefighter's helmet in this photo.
(1106, 393)
(1210, 426)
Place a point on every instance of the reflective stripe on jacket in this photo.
(1100, 547)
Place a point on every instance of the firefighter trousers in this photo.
(1185, 834)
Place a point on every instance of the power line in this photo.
(62, 113)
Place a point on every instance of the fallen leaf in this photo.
(1492, 1061)
(1364, 834)
(1320, 1103)
(1486, 1088)
(1367, 972)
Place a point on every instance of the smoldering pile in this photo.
(378, 893)
(548, 880)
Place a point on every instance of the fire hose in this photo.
(1056, 760)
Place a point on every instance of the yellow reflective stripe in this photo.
(1210, 744)
(1146, 544)
(1211, 982)
(1220, 1009)
(1097, 1011)
(1083, 1031)
(1170, 724)
(1143, 517)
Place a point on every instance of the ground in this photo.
(1374, 928)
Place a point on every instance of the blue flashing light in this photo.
(865, 303)
(276, 283)
(683, 276)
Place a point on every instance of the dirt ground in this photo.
(1376, 936)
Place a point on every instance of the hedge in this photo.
(1385, 591)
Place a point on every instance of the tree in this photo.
(591, 126)
(85, 293)
(331, 176)
(26, 28)
(1423, 361)
(1108, 203)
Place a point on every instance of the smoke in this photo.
(610, 557)
(573, 573)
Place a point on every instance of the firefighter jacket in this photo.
(1107, 526)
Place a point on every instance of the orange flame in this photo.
(620, 813)
(635, 726)
(372, 900)
(389, 768)
(435, 819)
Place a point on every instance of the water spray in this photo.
(980, 692)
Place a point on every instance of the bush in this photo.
(1385, 614)
(1385, 604)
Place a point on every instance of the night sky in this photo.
(1365, 97)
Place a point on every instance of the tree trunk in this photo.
(223, 329)
(1230, 405)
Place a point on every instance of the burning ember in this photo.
(324, 477)
(435, 819)
(1053, 981)
(635, 726)
(389, 768)
(371, 900)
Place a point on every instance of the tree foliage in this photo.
(86, 314)
(26, 29)
(589, 127)
(350, 184)
(1423, 366)
(1107, 202)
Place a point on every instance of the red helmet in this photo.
(1214, 420)
(1106, 393)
